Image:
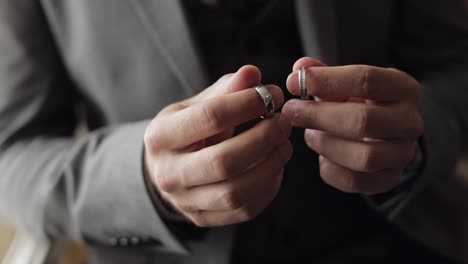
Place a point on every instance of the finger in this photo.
(210, 117)
(260, 199)
(234, 156)
(256, 185)
(247, 76)
(356, 120)
(222, 218)
(361, 81)
(357, 182)
(307, 62)
(361, 156)
(216, 139)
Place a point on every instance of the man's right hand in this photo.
(210, 176)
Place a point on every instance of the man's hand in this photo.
(364, 124)
(212, 177)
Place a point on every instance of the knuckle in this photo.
(210, 118)
(184, 206)
(326, 177)
(344, 182)
(230, 200)
(198, 219)
(360, 121)
(152, 139)
(366, 73)
(352, 184)
(323, 169)
(247, 213)
(165, 183)
(147, 139)
(325, 174)
(221, 165)
(368, 159)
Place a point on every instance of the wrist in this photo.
(177, 223)
(167, 211)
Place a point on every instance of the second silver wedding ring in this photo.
(303, 84)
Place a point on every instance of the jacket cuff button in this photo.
(113, 241)
(135, 241)
(123, 241)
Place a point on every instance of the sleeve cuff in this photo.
(177, 223)
(120, 204)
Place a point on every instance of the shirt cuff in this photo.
(388, 203)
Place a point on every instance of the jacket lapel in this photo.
(166, 24)
(334, 31)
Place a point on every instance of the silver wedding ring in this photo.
(302, 84)
(267, 100)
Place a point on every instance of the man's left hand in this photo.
(364, 123)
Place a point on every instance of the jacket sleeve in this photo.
(52, 184)
(430, 42)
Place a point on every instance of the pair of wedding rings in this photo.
(268, 98)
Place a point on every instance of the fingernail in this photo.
(285, 125)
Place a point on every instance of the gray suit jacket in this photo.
(116, 63)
